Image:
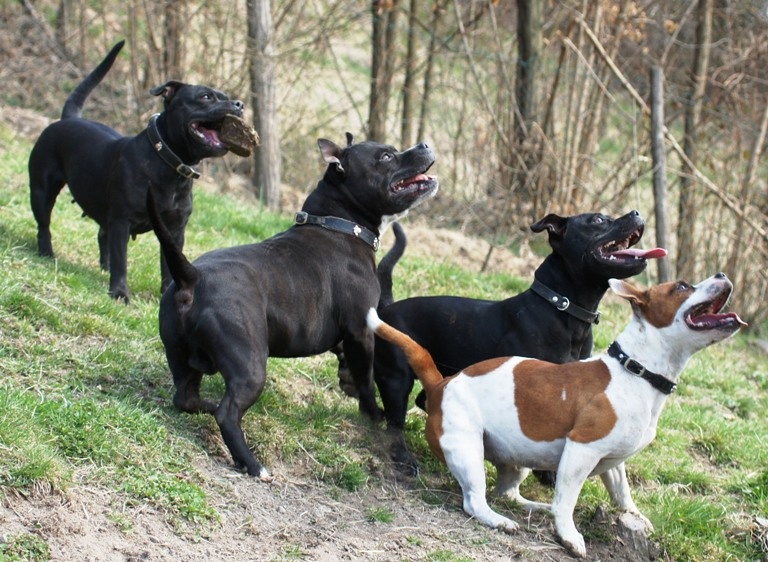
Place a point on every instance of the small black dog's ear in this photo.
(553, 223)
(350, 139)
(331, 153)
(167, 90)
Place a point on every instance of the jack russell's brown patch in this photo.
(557, 401)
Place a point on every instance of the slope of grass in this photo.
(85, 392)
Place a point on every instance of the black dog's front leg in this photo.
(118, 233)
(358, 351)
(104, 247)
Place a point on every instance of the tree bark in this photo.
(659, 167)
(409, 90)
(384, 14)
(267, 165)
(686, 236)
(172, 32)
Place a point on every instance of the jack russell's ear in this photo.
(629, 292)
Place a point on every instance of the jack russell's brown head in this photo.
(679, 316)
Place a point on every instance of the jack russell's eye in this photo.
(682, 286)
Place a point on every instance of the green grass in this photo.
(85, 394)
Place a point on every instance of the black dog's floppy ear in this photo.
(167, 90)
(350, 139)
(553, 223)
(331, 153)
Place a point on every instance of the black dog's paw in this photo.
(546, 477)
(405, 462)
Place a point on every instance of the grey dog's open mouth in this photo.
(707, 315)
(207, 132)
(621, 250)
(417, 183)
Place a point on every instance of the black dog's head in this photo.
(598, 246)
(193, 118)
(377, 181)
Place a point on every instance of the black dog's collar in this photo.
(340, 225)
(659, 382)
(168, 156)
(564, 304)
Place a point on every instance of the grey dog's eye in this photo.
(386, 157)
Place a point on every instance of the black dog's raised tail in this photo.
(73, 107)
(387, 265)
(418, 358)
(184, 274)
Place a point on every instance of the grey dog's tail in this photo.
(387, 265)
(73, 107)
(184, 274)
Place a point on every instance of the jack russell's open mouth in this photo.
(707, 315)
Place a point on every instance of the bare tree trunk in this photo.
(384, 25)
(686, 235)
(172, 33)
(409, 91)
(266, 174)
(659, 166)
(437, 11)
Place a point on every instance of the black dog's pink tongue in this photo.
(655, 253)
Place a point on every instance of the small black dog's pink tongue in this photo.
(655, 253)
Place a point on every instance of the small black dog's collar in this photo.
(340, 225)
(659, 382)
(564, 304)
(168, 156)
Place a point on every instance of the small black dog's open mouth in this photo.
(707, 315)
(621, 250)
(208, 133)
(418, 184)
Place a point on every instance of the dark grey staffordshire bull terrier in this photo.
(108, 173)
(296, 294)
(551, 321)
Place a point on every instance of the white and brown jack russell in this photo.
(582, 418)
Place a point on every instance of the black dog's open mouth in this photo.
(707, 315)
(207, 132)
(621, 250)
(417, 184)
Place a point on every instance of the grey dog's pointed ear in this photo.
(167, 90)
(554, 224)
(350, 139)
(331, 153)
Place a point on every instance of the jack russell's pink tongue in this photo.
(655, 253)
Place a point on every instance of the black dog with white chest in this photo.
(108, 174)
(552, 320)
(296, 294)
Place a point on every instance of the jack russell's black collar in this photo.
(659, 382)
(166, 154)
(340, 225)
(564, 304)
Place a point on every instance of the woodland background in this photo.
(532, 106)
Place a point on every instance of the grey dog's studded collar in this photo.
(166, 154)
(339, 225)
(564, 304)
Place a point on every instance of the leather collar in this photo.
(659, 382)
(340, 225)
(166, 154)
(564, 304)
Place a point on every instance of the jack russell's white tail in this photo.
(418, 358)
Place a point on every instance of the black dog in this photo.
(296, 294)
(552, 320)
(108, 174)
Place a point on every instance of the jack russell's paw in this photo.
(575, 544)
